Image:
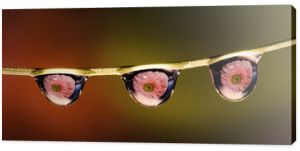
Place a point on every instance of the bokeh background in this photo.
(107, 37)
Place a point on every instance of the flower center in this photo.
(56, 88)
(236, 79)
(148, 87)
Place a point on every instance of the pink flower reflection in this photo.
(237, 75)
(61, 86)
(150, 84)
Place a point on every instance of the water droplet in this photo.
(235, 78)
(150, 87)
(61, 89)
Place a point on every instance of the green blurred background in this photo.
(106, 37)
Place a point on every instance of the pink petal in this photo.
(242, 68)
(158, 80)
(66, 84)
